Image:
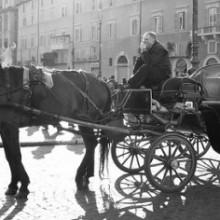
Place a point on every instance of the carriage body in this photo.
(170, 125)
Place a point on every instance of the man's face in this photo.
(147, 41)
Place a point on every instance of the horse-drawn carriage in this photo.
(161, 132)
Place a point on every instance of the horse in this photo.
(209, 77)
(69, 93)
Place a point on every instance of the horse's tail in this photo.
(104, 151)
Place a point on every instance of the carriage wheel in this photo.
(136, 187)
(129, 154)
(170, 162)
(200, 144)
(207, 172)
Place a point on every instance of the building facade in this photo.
(103, 36)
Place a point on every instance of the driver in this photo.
(153, 66)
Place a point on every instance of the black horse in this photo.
(71, 94)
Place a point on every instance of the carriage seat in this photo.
(182, 90)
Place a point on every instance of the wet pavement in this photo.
(53, 193)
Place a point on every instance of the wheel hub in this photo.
(174, 164)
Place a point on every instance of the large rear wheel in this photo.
(170, 162)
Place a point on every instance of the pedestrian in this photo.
(7, 55)
(153, 66)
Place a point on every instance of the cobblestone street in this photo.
(53, 193)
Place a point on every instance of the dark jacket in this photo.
(152, 67)
(157, 56)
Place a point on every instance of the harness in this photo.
(31, 80)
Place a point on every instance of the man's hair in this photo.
(152, 34)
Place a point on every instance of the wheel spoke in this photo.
(123, 154)
(137, 161)
(178, 175)
(159, 171)
(131, 162)
(125, 160)
(159, 158)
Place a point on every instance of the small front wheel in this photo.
(170, 162)
(129, 154)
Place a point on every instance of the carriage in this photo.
(160, 133)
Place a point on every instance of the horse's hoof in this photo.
(22, 194)
(11, 191)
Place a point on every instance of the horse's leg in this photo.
(10, 139)
(86, 168)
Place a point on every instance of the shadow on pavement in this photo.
(15, 207)
(200, 199)
(40, 152)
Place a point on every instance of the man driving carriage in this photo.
(153, 66)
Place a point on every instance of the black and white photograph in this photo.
(109, 109)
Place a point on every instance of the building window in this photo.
(212, 16)
(134, 26)
(122, 60)
(93, 5)
(32, 4)
(99, 4)
(78, 34)
(24, 21)
(110, 3)
(157, 25)
(212, 47)
(32, 42)
(5, 22)
(211, 61)
(64, 11)
(94, 32)
(110, 61)
(1, 23)
(181, 20)
(77, 7)
(111, 30)
(93, 52)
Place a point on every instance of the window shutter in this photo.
(153, 24)
(176, 22)
(218, 16)
(160, 24)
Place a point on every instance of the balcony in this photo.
(60, 42)
(209, 32)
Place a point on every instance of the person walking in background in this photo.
(7, 55)
(153, 66)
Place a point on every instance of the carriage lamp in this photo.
(189, 105)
